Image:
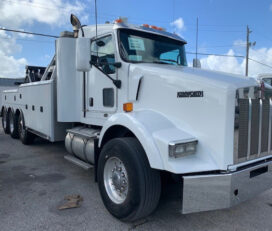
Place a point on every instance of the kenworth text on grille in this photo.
(126, 103)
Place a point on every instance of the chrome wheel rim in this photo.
(11, 124)
(116, 180)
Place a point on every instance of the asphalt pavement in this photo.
(34, 180)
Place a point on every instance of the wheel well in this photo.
(116, 131)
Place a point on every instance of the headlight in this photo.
(178, 149)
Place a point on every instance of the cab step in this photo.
(78, 162)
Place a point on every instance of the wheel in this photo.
(13, 125)
(25, 136)
(5, 121)
(129, 188)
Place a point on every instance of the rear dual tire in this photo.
(25, 136)
(5, 121)
(13, 124)
(129, 187)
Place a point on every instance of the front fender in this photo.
(154, 131)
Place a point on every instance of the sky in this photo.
(222, 29)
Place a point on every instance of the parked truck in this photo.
(126, 104)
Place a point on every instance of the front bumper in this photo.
(210, 192)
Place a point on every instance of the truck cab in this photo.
(126, 103)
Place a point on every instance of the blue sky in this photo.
(222, 28)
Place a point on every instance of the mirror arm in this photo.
(116, 82)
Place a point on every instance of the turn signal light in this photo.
(128, 107)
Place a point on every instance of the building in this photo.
(8, 83)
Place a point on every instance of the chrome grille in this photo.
(252, 133)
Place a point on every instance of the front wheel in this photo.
(129, 188)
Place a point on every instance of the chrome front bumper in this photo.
(210, 192)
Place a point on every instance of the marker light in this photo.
(153, 27)
(182, 149)
(128, 107)
(119, 20)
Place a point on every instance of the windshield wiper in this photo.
(161, 62)
(170, 60)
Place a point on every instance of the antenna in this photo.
(95, 19)
(196, 36)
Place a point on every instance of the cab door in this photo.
(101, 92)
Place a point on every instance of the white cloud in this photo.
(178, 24)
(237, 65)
(239, 42)
(53, 12)
(17, 14)
(270, 7)
(10, 66)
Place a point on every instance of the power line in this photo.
(26, 32)
(221, 55)
(28, 40)
(231, 45)
(230, 56)
(188, 52)
(218, 25)
(264, 64)
(224, 31)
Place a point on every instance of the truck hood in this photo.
(196, 101)
(175, 74)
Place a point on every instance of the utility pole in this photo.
(248, 45)
(196, 37)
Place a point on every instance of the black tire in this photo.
(144, 183)
(13, 124)
(5, 121)
(25, 136)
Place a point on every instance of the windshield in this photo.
(142, 47)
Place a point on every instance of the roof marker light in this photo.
(121, 20)
(153, 27)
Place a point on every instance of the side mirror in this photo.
(196, 63)
(100, 43)
(83, 54)
(18, 83)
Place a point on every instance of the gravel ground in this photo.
(35, 179)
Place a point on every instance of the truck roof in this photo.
(109, 27)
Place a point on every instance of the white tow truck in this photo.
(125, 102)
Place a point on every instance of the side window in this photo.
(267, 80)
(102, 52)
